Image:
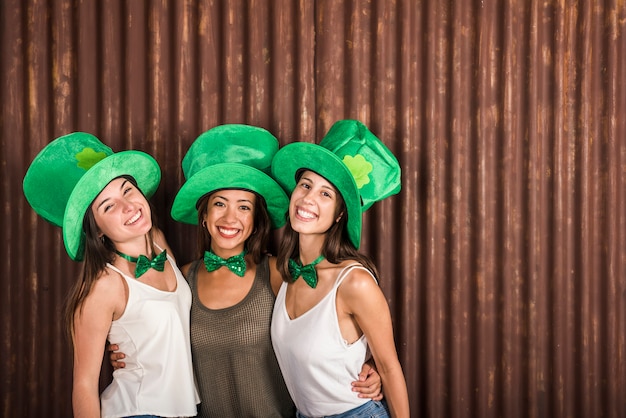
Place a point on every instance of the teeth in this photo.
(228, 231)
(134, 218)
(306, 214)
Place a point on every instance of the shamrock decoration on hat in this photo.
(232, 156)
(353, 159)
(69, 173)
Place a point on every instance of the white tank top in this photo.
(153, 332)
(317, 364)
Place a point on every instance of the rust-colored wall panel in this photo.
(504, 256)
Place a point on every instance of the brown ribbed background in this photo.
(504, 256)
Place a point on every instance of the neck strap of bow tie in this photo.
(308, 273)
(144, 263)
(236, 263)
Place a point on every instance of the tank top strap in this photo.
(347, 269)
(169, 256)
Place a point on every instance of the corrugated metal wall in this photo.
(504, 256)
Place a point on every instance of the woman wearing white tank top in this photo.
(126, 291)
(330, 312)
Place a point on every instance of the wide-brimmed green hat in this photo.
(232, 156)
(69, 173)
(353, 159)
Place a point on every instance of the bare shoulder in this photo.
(357, 282)
(108, 281)
(108, 293)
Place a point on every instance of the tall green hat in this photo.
(353, 159)
(69, 173)
(232, 156)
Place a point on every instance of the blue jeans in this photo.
(371, 409)
(143, 416)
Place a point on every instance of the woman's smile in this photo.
(135, 218)
(305, 214)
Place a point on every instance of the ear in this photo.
(339, 217)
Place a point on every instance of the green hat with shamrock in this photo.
(70, 172)
(231, 156)
(353, 159)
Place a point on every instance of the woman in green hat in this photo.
(325, 325)
(130, 290)
(235, 203)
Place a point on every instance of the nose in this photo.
(308, 197)
(128, 205)
(230, 214)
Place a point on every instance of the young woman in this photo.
(235, 204)
(329, 312)
(130, 289)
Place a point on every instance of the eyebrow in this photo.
(107, 199)
(228, 200)
(329, 187)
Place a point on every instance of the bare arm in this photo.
(92, 324)
(362, 298)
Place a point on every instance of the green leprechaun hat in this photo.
(69, 173)
(232, 156)
(353, 159)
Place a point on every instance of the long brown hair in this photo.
(256, 244)
(98, 251)
(337, 246)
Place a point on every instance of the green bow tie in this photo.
(236, 263)
(144, 263)
(307, 272)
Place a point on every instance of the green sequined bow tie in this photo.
(144, 263)
(236, 263)
(307, 272)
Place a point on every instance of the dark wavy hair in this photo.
(256, 244)
(98, 252)
(337, 245)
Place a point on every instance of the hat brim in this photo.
(139, 165)
(229, 176)
(303, 155)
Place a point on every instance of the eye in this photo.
(245, 207)
(107, 207)
(128, 190)
(218, 203)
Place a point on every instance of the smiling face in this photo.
(313, 205)
(121, 211)
(229, 220)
